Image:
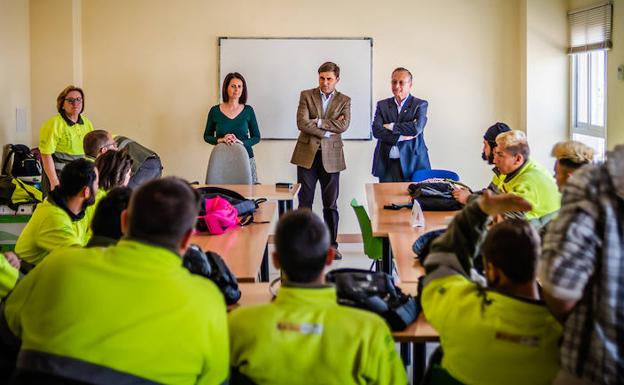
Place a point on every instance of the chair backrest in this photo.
(420, 175)
(228, 164)
(372, 245)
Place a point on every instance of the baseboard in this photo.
(342, 238)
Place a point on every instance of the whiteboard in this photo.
(278, 69)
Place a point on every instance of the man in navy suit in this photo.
(398, 126)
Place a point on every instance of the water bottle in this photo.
(418, 218)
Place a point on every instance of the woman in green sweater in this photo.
(233, 121)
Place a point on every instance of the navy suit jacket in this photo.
(410, 122)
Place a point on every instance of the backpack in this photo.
(23, 164)
(14, 192)
(376, 292)
(213, 267)
(244, 207)
(216, 216)
(434, 196)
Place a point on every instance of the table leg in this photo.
(405, 353)
(419, 362)
(386, 257)
(264, 267)
(281, 207)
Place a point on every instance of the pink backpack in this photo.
(220, 216)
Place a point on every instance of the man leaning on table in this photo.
(399, 129)
(322, 116)
(502, 332)
(304, 336)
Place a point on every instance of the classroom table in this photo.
(244, 249)
(283, 196)
(415, 335)
(397, 222)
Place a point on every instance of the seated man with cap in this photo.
(463, 195)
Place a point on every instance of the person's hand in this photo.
(230, 139)
(494, 205)
(341, 118)
(387, 126)
(461, 195)
(13, 259)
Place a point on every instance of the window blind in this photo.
(590, 28)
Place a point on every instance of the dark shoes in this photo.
(338, 255)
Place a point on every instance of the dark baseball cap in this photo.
(495, 130)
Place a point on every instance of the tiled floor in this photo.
(353, 257)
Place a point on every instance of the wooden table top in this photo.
(385, 221)
(418, 331)
(242, 248)
(253, 191)
(408, 267)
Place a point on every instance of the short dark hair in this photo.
(106, 220)
(60, 99)
(75, 176)
(94, 141)
(301, 242)
(402, 69)
(330, 67)
(162, 211)
(113, 167)
(226, 83)
(513, 246)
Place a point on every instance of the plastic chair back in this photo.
(372, 245)
(420, 175)
(228, 164)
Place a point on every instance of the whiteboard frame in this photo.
(370, 102)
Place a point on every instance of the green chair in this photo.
(372, 245)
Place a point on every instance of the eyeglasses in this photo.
(73, 100)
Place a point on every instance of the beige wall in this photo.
(547, 76)
(14, 70)
(150, 72)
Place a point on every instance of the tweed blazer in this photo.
(311, 137)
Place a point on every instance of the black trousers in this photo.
(393, 172)
(330, 182)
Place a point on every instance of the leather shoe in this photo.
(338, 255)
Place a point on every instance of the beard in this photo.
(488, 159)
(91, 200)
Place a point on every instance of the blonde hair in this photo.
(514, 142)
(574, 152)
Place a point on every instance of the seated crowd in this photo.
(523, 287)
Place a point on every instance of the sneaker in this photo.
(338, 255)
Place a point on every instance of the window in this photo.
(589, 99)
(590, 38)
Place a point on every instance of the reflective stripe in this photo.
(61, 159)
(74, 369)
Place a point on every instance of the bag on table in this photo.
(14, 192)
(434, 196)
(245, 208)
(213, 267)
(216, 216)
(22, 163)
(376, 292)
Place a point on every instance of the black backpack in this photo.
(22, 163)
(376, 292)
(436, 196)
(213, 267)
